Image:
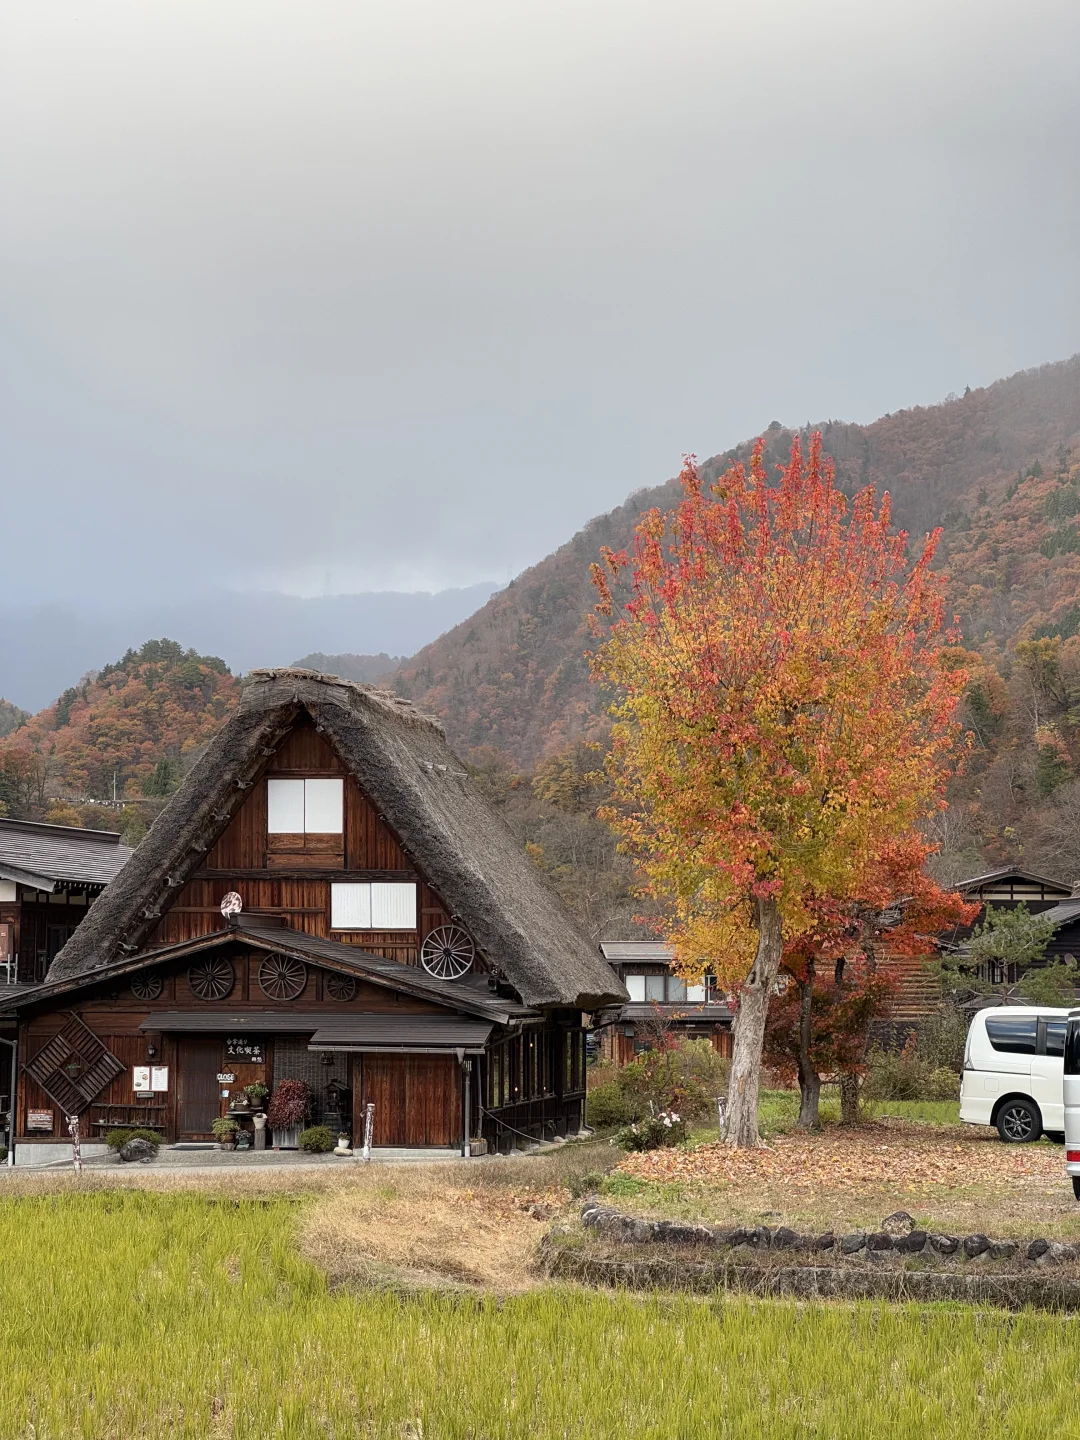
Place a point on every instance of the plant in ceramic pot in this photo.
(287, 1111)
(257, 1095)
(225, 1128)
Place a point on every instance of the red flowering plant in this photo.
(288, 1104)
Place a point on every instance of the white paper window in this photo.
(393, 906)
(696, 994)
(676, 989)
(373, 907)
(654, 988)
(298, 807)
(635, 986)
(350, 907)
(323, 804)
(285, 807)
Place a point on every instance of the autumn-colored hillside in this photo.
(127, 732)
(998, 469)
(514, 676)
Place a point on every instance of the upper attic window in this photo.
(305, 807)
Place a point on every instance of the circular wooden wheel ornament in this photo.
(147, 987)
(448, 953)
(211, 979)
(341, 987)
(281, 977)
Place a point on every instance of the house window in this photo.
(662, 989)
(304, 807)
(376, 906)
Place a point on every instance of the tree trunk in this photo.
(740, 1127)
(849, 1098)
(809, 1079)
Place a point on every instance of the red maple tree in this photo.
(782, 716)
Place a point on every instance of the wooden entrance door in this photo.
(200, 1100)
(417, 1099)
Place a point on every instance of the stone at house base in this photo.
(138, 1150)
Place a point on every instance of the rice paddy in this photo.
(131, 1313)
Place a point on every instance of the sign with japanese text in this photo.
(39, 1119)
(247, 1052)
(159, 1077)
(140, 1075)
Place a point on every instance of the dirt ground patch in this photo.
(417, 1233)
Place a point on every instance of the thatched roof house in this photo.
(372, 876)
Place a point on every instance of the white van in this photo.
(1013, 1064)
(1072, 1100)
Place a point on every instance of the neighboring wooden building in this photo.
(395, 946)
(49, 877)
(656, 993)
(919, 988)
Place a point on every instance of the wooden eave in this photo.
(386, 974)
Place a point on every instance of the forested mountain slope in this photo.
(127, 732)
(514, 675)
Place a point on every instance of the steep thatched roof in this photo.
(402, 761)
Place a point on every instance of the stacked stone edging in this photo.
(815, 1282)
(898, 1236)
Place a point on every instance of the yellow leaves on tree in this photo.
(783, 713)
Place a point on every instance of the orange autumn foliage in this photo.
(783, 716)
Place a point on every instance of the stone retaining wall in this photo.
(898, 1262)
(813, 1282)
(898, 1235)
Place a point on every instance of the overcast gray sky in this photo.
(352, 294)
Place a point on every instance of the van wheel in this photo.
(1076, 1186)
(1019, 1122)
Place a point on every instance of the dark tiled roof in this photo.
(1010, 872)
(678, 1010)
(403, 763)
(361, 1030)
(1063, 914)
(619, 952)
(45, 855)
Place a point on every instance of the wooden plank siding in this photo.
(115, 1014)
(245, 858)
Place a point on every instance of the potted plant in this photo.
(257, 1095)
(287, 1111)
(225, 1128)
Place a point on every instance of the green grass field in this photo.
(779, 1109)
(139, 1314)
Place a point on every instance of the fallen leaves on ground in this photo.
(913, 1157)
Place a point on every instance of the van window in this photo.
(1055, 1037)
(1014, 1034)
(1072, 1047)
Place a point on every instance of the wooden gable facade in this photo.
(291, 874)
(167, 1038)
